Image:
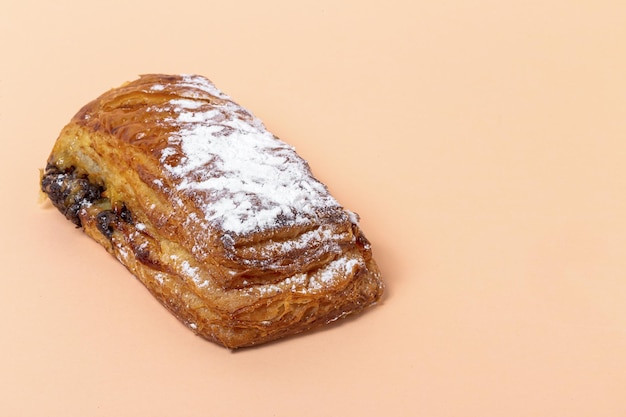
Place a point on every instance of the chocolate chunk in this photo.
(105, 221)
(126, 214)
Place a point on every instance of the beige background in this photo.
(482, 142)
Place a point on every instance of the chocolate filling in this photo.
(107, 220)
(68, 191)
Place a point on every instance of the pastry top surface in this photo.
(213, 153)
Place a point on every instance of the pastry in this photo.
(221, 221)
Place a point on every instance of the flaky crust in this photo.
(221, 221)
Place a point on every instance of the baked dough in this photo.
(220, 220)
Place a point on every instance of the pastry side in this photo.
(220, 220)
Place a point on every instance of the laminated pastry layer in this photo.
(219, 219)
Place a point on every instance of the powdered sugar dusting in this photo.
(251, 180)
(339, 267)
(325, 277)
(202, 84)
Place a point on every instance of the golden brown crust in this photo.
(221, 221)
